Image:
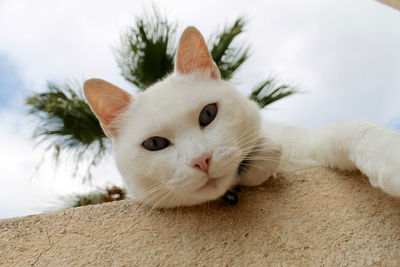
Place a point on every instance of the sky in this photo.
(342, 55)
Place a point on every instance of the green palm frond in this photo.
(145, 55)
(147, 50)
(228, 57)
(269, 91)
(99, 196)
(65, 119)
(96, 196)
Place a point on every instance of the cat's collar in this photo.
(242, 166)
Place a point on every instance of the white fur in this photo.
(344, 145)
(243, 150)
(171, 108)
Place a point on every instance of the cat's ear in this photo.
(107, 101)
(193, 56)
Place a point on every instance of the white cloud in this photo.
(24, 188)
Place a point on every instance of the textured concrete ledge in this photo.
(314, 217)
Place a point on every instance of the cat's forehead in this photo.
(183, 89)
(178, 94)
(172, 103)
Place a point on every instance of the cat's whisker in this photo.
(260, 146)
(171, 199)
(162, 199)
(261, 154)
(240, 141)
(151, 190)
(248, 139)
(258, 149)
(262, 159)
(151, 198)
(152, 194)
(175, 202)
(264, 154)
(246, 135)
(244, 174)
(256, 166)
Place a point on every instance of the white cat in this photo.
(191, 137)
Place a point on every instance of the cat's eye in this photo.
(155, 143)
(207, 114)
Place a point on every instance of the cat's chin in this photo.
(212, 189)
(210, 184)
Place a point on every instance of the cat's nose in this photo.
(202, 162)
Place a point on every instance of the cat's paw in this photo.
(391, 184)
(386, 178)
(377, 155)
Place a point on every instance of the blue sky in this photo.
(343, 55)
(11, 84)
(394, 124)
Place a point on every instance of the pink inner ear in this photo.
(107, 101)
(193, 55)
(111, 106)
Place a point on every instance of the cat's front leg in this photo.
(373, 149)
(377, 155)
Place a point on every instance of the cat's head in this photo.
(182, 140)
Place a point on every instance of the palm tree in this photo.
(67, 124)
(146, 55)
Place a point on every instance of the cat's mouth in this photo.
(212, 182)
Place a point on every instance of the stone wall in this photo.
(315, 217)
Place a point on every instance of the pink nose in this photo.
(202, 162)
